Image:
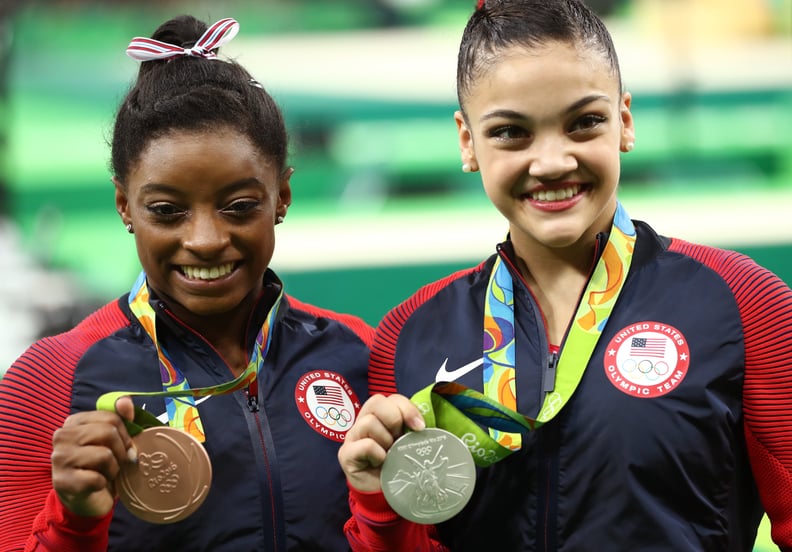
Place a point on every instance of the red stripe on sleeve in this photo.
(765, 304)
(35, 399)
(383, 354)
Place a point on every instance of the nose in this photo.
(551, 157)
(205, 234)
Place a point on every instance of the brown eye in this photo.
(587, 122)
(241, 207)
(164, 210)
(508, 132)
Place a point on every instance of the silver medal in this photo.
(428, 476)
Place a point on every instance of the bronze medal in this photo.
(171, 478)
(428, 476)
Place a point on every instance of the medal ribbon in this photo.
(179, 398)
(496, 407)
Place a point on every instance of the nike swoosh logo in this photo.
(164, 416)
(444, 374)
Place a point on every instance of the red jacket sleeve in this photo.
(375, 527)
(35, 399)
(765, 305)
(767, 398)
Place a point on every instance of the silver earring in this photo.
(129, 228)
(280, 219)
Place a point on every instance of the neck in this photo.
(546, 266)
(226, 332)
(557, 279)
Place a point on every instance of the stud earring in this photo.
(280, 219)
(466, 168)
(629, 146)
(129, 228)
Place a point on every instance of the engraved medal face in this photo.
(428, 476)
(170, 480)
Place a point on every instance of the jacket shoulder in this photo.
(357, 325)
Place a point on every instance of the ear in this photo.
(284, 192)
(466, 148)
(121, 201)
(627, 141)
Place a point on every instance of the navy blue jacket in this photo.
(682, 417)
(276, 483)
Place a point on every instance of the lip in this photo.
(556, 205)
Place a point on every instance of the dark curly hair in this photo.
(193, 93)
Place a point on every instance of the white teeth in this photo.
(555, 195)
(203, 273)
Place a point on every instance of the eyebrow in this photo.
(511, 114)
(156, 187)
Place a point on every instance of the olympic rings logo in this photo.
(333, 416)
(423, 451)
(645, 368)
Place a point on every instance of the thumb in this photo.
(125, 408)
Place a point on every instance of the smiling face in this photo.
(545, 125)
(203, 206)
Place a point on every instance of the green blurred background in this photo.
(380, 204)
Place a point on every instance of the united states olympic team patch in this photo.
(647, 359)
(327, 403)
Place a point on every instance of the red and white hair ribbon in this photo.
(147, 49)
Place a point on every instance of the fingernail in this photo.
(132, 454)
(418, 423)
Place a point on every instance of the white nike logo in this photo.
(446, 375)
(164, 416)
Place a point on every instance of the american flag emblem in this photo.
(648, 347)
(329, 395)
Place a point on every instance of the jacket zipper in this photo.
(549, 378)
(549, 439)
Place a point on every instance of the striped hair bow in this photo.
(147, 49)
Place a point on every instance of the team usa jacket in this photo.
(276, 482)
(678, 436)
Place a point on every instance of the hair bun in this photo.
(183, 31)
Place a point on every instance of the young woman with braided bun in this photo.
(616, 389)
(203, 410)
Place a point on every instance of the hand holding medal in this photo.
(429, 476)
(173, 473)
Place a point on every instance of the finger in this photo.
(361, 462)
(409, 412)
(126, 409)
(394, 411)
(84, 492)
(83, 470)
(90, 417)
(356, 456)
(102, 431)
(370, 426)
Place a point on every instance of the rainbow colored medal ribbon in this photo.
(179, 397)
(173, 474)
(456, 415)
